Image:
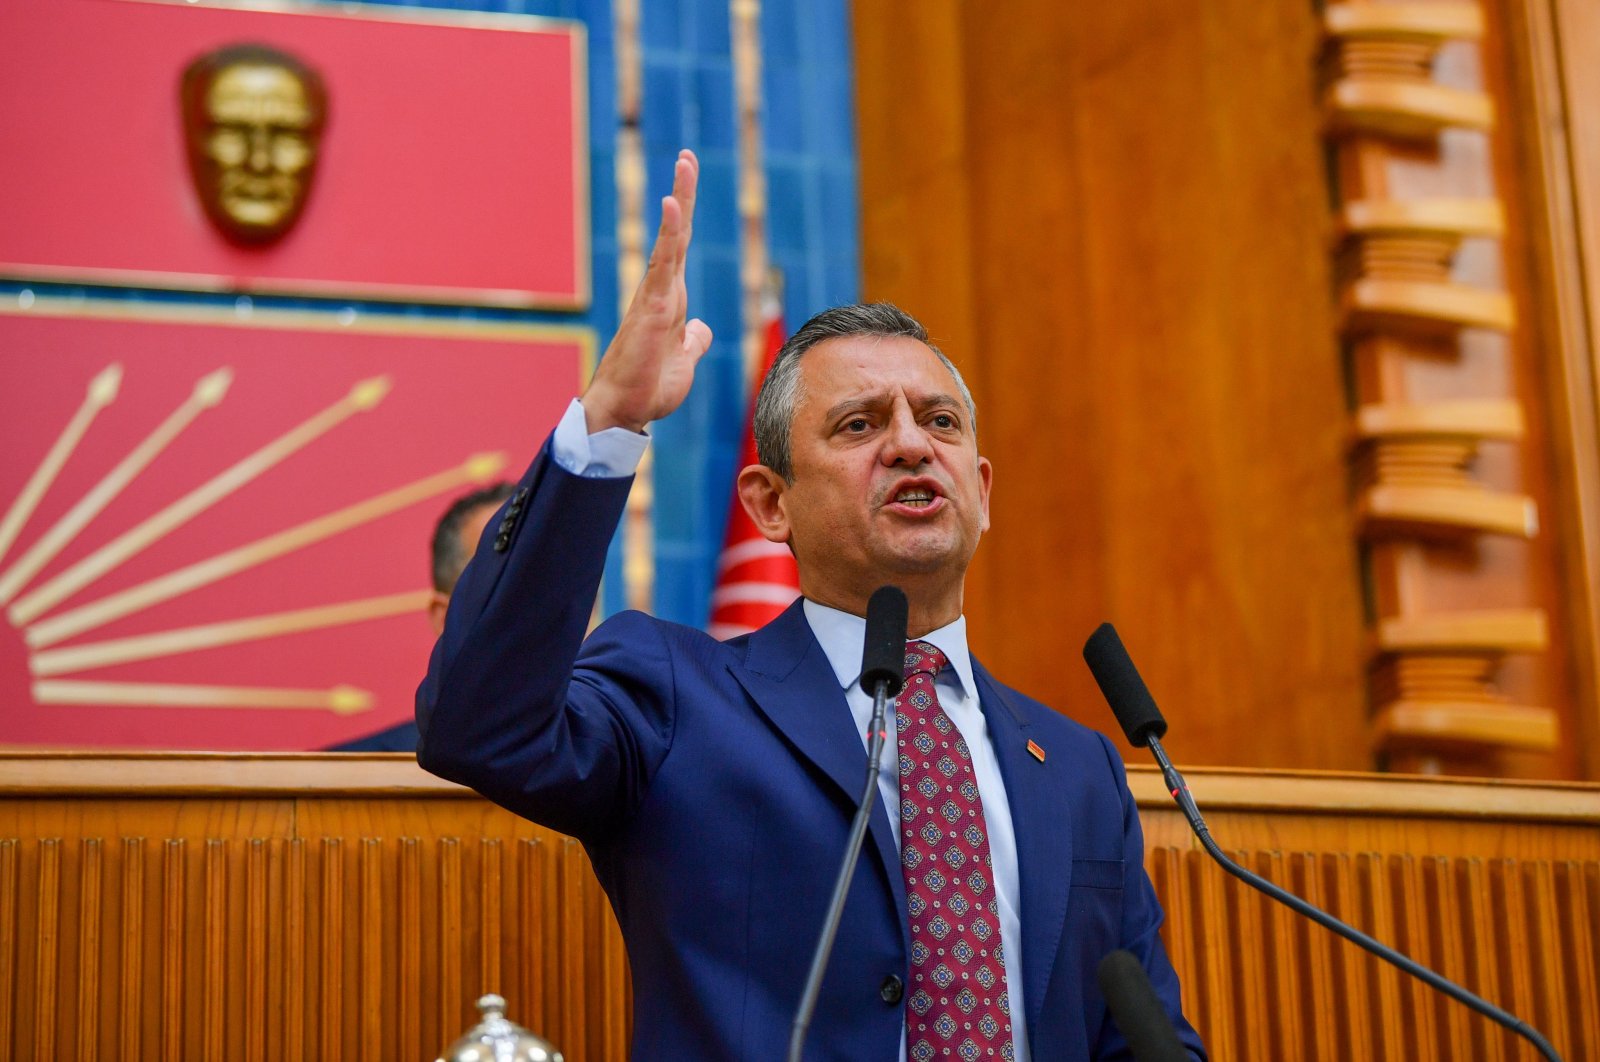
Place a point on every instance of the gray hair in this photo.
(781, 392)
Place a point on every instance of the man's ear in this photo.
(985, 488)
(438, 605)
(761, 492)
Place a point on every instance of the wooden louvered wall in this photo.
(322, 907)
(1497, 886)
(311, 907)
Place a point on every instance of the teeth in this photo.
(918, 497)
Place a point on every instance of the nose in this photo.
(260, 150)
(906, 442)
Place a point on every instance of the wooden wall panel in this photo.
(1114, 216)
(351, 907)
(309, 907)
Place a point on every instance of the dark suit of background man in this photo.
(457, 531)
(713, 783)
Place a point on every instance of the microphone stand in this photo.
(1180, 793)
(876, 736)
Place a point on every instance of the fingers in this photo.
(696, 338)
(665, 258)
(685, 186)
(671, 250)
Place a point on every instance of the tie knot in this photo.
(924, 658)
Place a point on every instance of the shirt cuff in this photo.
(611, 453)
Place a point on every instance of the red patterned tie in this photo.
(958, 1007)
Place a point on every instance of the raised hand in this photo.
(649, 366)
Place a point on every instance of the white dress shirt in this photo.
(617, 452)
(842, 636)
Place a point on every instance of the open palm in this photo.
(649, 367)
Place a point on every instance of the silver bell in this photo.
(495, 1039)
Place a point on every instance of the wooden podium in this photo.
(316, 906)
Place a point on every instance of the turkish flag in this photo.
(214, 528)
(756, 579)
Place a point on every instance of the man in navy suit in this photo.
(713, 783)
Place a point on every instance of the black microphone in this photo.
(883, 657)
(883, 660)
(1141, 721)
(1137, 1010)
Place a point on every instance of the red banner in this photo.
(216, 536)
(453, 163)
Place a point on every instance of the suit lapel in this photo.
(1038, 800)
(788, 676)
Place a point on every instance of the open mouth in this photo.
(916, 496)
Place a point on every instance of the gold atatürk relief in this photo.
(253, 119)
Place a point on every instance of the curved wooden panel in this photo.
(1404, 109)
(1512, 630)
(1451, 217)
(1483, 418)
(1433, 22)
(1373, 303)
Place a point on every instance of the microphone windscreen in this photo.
(1124, 690)
(883, 657)
(1137, 1011)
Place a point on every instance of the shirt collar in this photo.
(841, 635)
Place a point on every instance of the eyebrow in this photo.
(869, 401)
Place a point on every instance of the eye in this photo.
(856, 425)
(946, 421)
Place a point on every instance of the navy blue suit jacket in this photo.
(713, 785)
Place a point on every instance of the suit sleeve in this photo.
(1141, 930)
(507, 706)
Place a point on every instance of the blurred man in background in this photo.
(454, 537)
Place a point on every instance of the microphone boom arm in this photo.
(1180, 793)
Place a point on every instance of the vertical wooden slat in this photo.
(450, 890)
(1549, 986)
(1447, 920)
(533, 858)
(1316, 946)
(1281, 967)
(1418, 1030)
(1206, 936)
(1516, 967)
(130, 990)
(331, 1013)
(90, 876)
(1482, 951)
(1580, 943)
(8, 945)
(372, 969)
(1163, 866)
(1353, 994)
(47, 957)
(215, 946)
(173, 911)
(409, 997)
(489, 932)
(1244, 936)
(573, 991)
(1376, 907)
(257, 957)
(295, 927)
